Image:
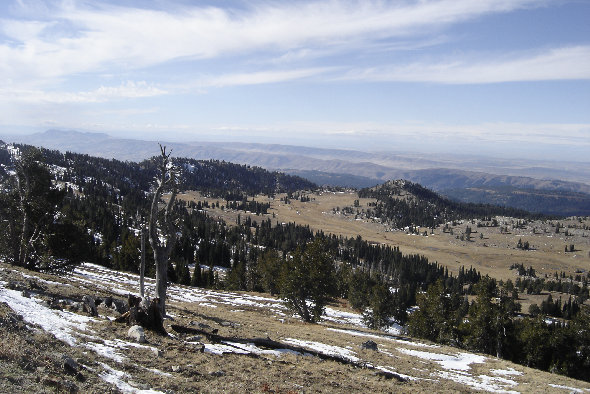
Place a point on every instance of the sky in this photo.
(507, 78)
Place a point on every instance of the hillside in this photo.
(54, 345)
(401, 204)
(211, 176)
(90, 215)
(549, 202)
(456, 175)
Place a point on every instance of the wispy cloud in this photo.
(126, 90)
(553, 64)
(82, 39)
(262, 77)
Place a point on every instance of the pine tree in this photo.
(197, 278)
(381, 307)
(437, 317)
(307, 280)
(481, 332)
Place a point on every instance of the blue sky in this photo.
(500, 77)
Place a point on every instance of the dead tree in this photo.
(162, 224)
(142, 259)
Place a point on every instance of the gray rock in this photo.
(370, 345)
(194, 338)
(217, 374)
(89, 305)
(69, 365)
(119, 306)
(137, 334)
(157, 352)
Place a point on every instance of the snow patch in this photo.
(60, 324)
(460, 361)
(482, 382)
(329, 350)
(504, 372)
(571, 389)
(116, 378)
(385, 337)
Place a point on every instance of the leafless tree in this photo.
(162, 230)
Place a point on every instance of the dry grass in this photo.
(493, 255)
(184, 369)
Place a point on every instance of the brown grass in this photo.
(188, 370)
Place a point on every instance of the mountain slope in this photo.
(401, 203)
(103, 358)
(456, 176)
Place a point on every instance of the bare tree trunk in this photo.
(166, 180)
(162, 281)
(23, 246)
(142, 263)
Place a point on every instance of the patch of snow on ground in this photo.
(329, 350)
(115, 378)
(503, 372)
(343, 317)
(242, 348)
(385, 337)
(105, 351)
(251, 348)
(72, 329)
(571, 389)
(395, 329)
(460, 361)
(219, 349)
(482, 382)
(158, 372)
(401, 375)
(59, 323)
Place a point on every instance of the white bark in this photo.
(165, 181)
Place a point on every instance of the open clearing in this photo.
(493, 254)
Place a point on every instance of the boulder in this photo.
(89, 305)
(370, 345)
(69, 365)
(137, 334)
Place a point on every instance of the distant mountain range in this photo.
(462, 177)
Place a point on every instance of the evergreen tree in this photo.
(381, 307)
(307, 280)
(437, 317)
(269, 269)
(359, 290)
(197, 278)
(481, 335)
(534, 342)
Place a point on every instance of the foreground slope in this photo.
(52, 328)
